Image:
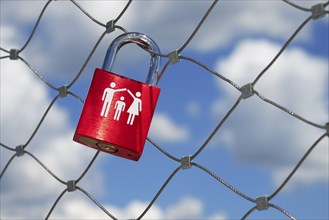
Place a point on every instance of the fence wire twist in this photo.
(260, 203)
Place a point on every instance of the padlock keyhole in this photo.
(107, 147)
(93, 143)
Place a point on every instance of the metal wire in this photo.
(40, 122)
(87, 60)
(288, 111)
(97, 203)
(217, 128)
(22, 149)
(297, 166)
(198, 27)
(211, 71)
(159, 192)
(296, 6)
(35, 26)
(55, 203)
(36, 73)
(223, 182)
(87, 14)
(281, 51)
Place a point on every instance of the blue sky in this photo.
(254, 151)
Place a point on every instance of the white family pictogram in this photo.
(120, 105)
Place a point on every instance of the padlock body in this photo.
(117, 115)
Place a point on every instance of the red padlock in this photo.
(118, 111)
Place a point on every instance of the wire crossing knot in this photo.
(110, 26)
(262, 203)
(20, 150)
(186, 162)
(13, 55)
(247, 91)
(63, 92)
(174, 57)
(71, 186)
(318, 11)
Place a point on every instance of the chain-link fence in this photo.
(64, 91)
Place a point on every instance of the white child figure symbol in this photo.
(107, 98)
(135, 107)
(119, 106)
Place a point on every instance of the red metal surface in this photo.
(117, 115)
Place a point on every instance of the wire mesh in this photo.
(260, 203)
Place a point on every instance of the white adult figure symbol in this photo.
(107, 98)
(135, 107)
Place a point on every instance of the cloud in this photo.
(26, 185)
(271, 18)
(135, 208)
(186, 207)
(219, 216)
(259, 133)
(63, 23)
(163, 128)
(227, 22)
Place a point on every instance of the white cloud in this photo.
(219, 216)
(228, 21)
(64, 25)
(259, 133)
(135, 208)
(9, 35)
(20, 103)
(24, 99)
(185, 208)
(163, 128)
(271, 18)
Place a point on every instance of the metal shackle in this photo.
(142, 40)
